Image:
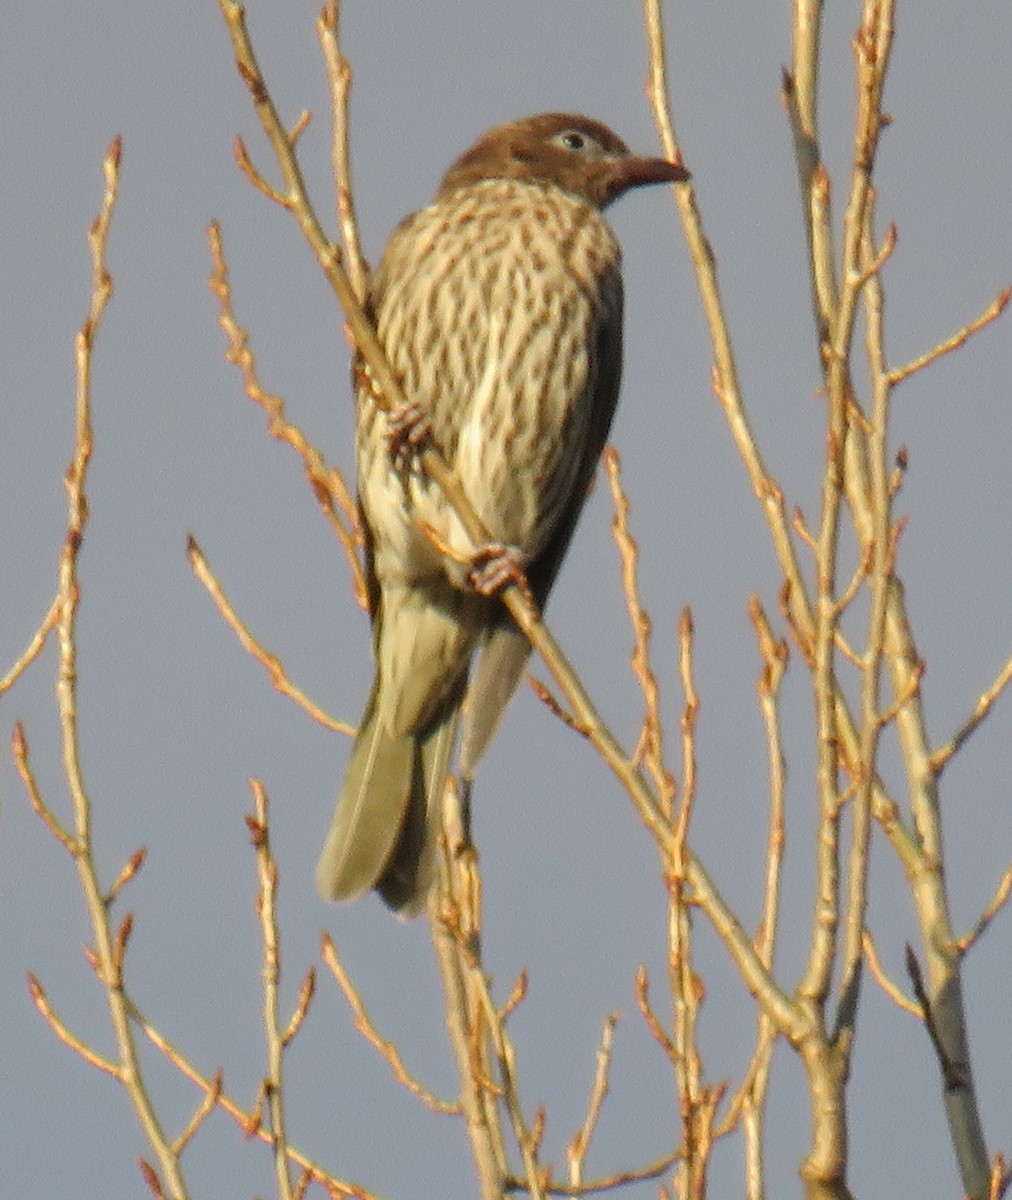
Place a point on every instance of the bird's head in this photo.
(577, 154)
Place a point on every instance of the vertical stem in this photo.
(692, 1168)
(267, 872)
(108, 952)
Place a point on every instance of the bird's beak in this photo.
(638, 170)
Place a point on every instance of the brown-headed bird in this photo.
(500, 308)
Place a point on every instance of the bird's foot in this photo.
(495, 566)
(408, 429)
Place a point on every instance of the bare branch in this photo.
(657, 1030)
(554, 707)
(652, 735)
(203, 1110)
(331, 492)
(267, 888)
(33, 649)
(891, 988)
(19, 746)
(940, 759)
(41, 1002)
(245, 164)
(339, 75)
(363, 1023)
(306, 993)
(249, 643)
(608, 1183)
(455, 939)
(110, 947)
(130, 870)
(247, 1120)
(998, 902)
(993, 311)
(576, 1151)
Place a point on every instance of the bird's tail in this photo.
(387, 820)
(492, 685)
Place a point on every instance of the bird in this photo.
(499, 307)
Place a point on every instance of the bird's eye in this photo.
(572, 139)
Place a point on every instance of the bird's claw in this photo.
(408, 428)
(495, 566)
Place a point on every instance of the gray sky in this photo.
(175, 718)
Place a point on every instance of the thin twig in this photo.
(245, 1119)
(652, 733)
(993, 311)
(273, 665)
(879, 555)
(690, 716)
(365, 1026)
(331, 492)
(454, 949)
(835, 306)
(301, 1011)
(814, 986)
(657, 1030)
(554, 707)
(940, 759)
(909, 694)
(527, 1136)
(576, 1151)
(339, 75)
(267, 888)
(129, 871)
(33, 649)
(997, 903)
(22, 763)
(41, 1002)
(925, 864)
(207, 1105)
(888, 985)
(109, 948)
(749, 1102)
(696, 1101)
(608, 1183)
(726, 386)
